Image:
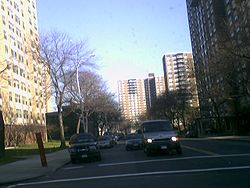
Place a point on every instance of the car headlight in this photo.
(174, 138)
(149, 140)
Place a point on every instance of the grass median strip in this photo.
(21, 152)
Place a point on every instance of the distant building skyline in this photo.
(132, 99)
(137, 95)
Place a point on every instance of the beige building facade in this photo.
(137, 95)
(24, 83)
(180, 75)
(132, 98)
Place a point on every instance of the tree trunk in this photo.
(86, 124)
(63, 144)
(218, 117)
(78, 125)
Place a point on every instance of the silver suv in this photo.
(158, 135)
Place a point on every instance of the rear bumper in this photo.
(84, 155)
(134, 146)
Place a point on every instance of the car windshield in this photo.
(156, 126)
(82, 139)
(104, 138)
(133, 136)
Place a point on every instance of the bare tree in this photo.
(94, 97)
(62, 57)
(228, 87)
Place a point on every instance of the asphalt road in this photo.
(204, 163)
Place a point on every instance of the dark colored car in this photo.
(133, 141)
(120, 136)
(158, 135)
(105, 142)
(84, 146)
(191, 134)
(112, 137)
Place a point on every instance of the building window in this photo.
(25, 114)
(10, 96)
(15, 69)
(23, 100)
(19, 113)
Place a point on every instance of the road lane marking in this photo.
(174, 159)
(133, 175)
(199, 150)
(72, 168)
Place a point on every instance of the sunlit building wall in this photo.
(132, 98)
(160, 85)
(179, 75)
(24, 84)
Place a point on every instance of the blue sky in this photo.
(129, 37)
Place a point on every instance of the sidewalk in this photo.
(31, 167)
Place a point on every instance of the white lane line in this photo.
(174, 159)
(72, 168)
(133, 175)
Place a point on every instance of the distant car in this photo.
(112, 137)
(105, 142)
(191, 134)
(84, 146)
(158, 135)
(133, 141)
(120, 136)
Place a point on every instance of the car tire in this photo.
(99, 158)
(179, 150)
(73, 161)
(148, 152)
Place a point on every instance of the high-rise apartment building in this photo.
(220, 35)
(154, 86)
(150, 90)
(132, 99)
(136, 96)
(160, 85)
(24, 84)
(179, 75)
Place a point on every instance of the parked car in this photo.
(105, 142)
(133, 141)
(84, 146)
(158, 135)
